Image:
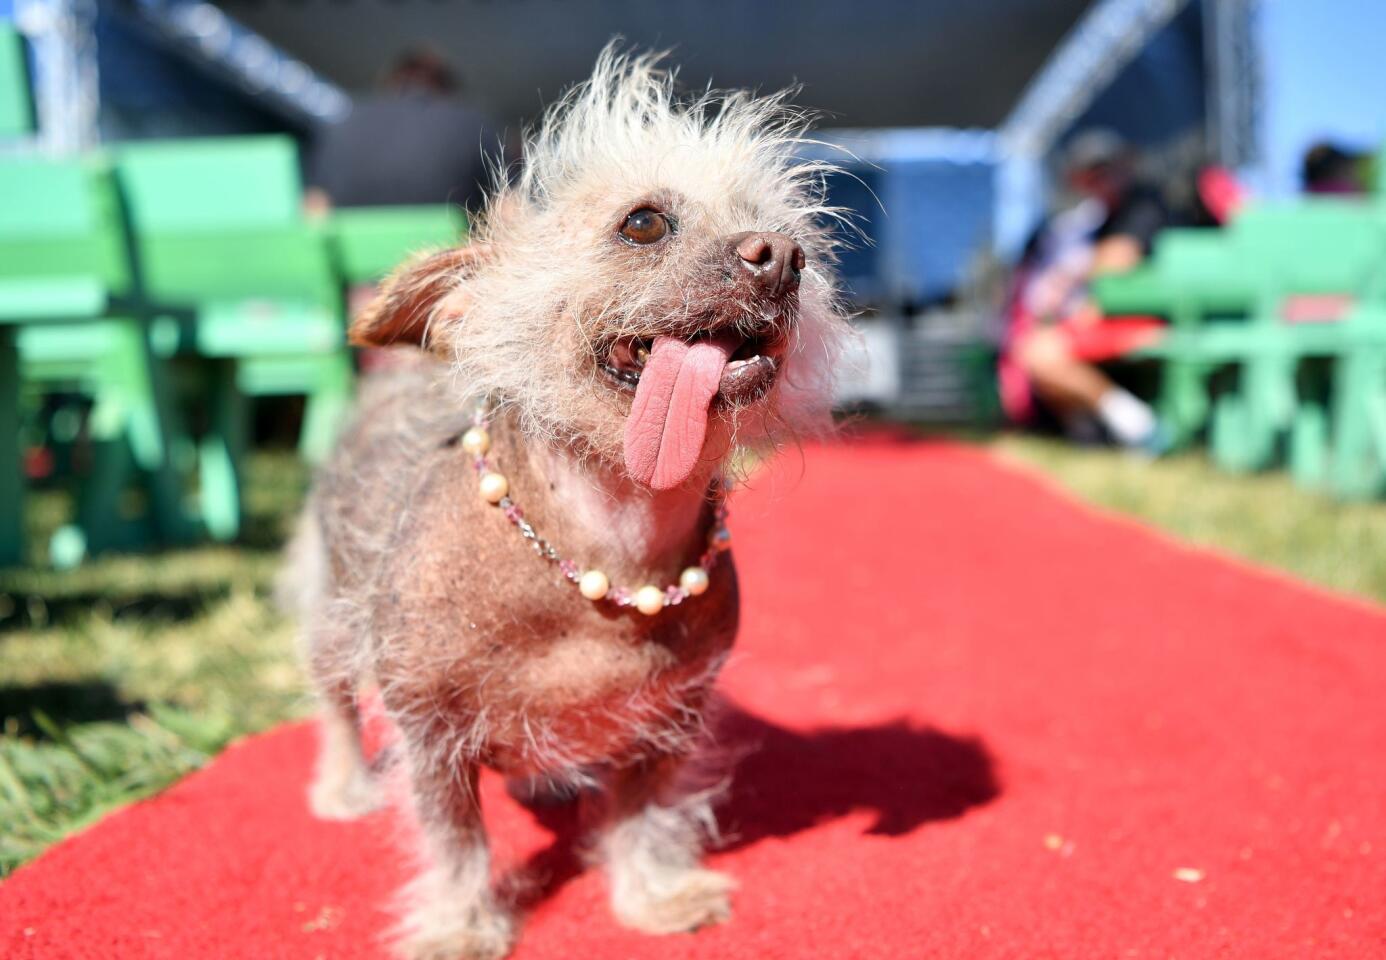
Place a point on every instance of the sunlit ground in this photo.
(122, 676)
(126, 674)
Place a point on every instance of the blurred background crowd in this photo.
(1151, 225)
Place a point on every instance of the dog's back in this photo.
(361, 494)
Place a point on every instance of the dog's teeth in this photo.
(631, 377)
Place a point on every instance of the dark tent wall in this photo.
(869, 63)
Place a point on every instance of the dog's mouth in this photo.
(748, 375)
(678, 383)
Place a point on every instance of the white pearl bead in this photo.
(494, 487)
(649, 600)
(476, 441)
(694, 581)
(593, 585)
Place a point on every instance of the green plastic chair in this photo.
(16, 106)
(369, 242)
(66, 324)
(221, 241)
(1246, 277)
(1314, 259)
(1192, 277)
(1311, 246)
(1354, 457)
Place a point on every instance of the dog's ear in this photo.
(419, 299)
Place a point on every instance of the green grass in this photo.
(120, 677)
(1264, 518)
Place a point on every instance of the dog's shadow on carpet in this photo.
(787, 781)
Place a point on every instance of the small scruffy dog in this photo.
(519, 539)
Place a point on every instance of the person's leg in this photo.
(1065, 382)
(1074, 387)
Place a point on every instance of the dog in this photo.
(519, 538)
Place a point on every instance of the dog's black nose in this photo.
(774, 259)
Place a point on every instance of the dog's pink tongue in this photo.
(668, 421)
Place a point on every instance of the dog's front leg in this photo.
(452, 913)
(651, 844)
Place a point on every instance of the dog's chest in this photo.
(471, 624)
(545, 695)
(584, 702)
(537, 677)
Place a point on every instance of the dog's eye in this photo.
(645, 225)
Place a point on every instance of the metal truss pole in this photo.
(62, 35)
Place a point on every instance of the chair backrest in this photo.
(16, 102)
(59, 218)
(211, 185)
(220, 219)
(1196, 254)
(369, 242)
(1313, 246)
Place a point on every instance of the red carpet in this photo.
(991, 724)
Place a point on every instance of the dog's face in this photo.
(740, 290)
(654, 287)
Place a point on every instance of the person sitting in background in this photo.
(1328, 168)
(414, 142)
(1056, 333)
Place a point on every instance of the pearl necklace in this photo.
(593, 584)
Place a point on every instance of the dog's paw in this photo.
(676, 902)
(345, 799)
(479, 935)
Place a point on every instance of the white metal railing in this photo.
(1106, 39)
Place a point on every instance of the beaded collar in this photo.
(593, 584)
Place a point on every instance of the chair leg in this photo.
(11, 456)
(221, 453)
(1309, 447)
(100, 523)
(1355, 474)
(1229, 434)
(132, 443)
(169, 478)
(1183, 403)
(152, 418)
(1376, 419)
(326, 408)
(1268, 391)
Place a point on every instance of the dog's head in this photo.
(654, 286)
